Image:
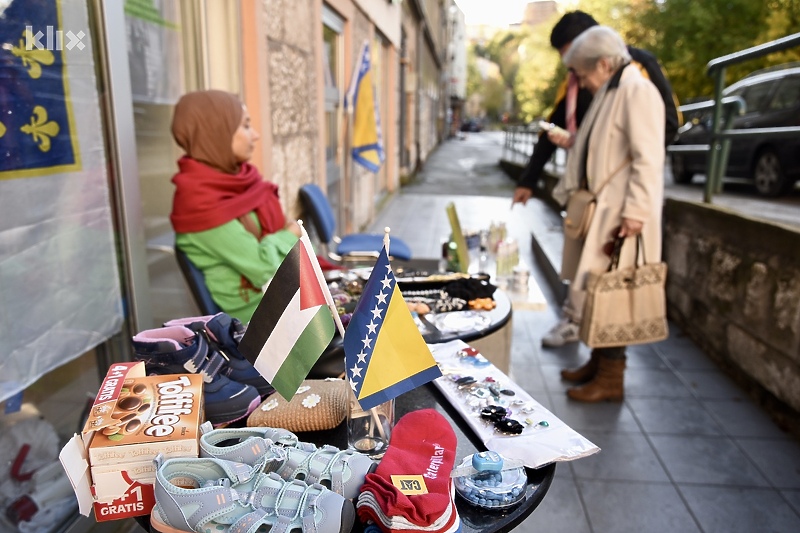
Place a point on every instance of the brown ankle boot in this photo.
(607, 384)
(584, 373)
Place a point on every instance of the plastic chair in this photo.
(353, 246)
(197, 284)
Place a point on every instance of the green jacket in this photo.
(228, 252)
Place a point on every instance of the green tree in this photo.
(684, 34)
(539, 75)
(474, 80)
(503, 50)
(690, 34)
(488, 86)
(494, 96)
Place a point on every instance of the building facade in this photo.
(110, 192)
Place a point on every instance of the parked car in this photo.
(772, 99)
(472, 124)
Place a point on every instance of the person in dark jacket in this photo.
(571, 105)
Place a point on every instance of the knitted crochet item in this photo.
(421, 450)
(318, 405)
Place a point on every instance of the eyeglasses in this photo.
(612, 247)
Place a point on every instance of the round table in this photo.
(495, 319)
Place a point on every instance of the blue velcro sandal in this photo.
(212, 495)
(278, 450)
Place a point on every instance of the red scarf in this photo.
(206, 198)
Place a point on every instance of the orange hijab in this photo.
(204, 123)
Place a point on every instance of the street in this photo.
(667, 450)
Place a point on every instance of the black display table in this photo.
(497, 318)
(474, 520)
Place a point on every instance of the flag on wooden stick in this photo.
(385, 354)
(294, 323)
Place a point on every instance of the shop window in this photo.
(332, 28)
(177, 47)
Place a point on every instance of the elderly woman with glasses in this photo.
(617, 153)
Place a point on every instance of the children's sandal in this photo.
(202, 495)
(278, 450)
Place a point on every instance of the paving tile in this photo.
(644, 356)
(708, 460)
(568, 356)
(543, 398)
(622, 457)
(742, 418)
(682, 353)
(561, 510)
(740, 510)
(626, 507)
(528, 376)
(645, 382)
(604, 416)
(552, 378)
(779, 460)
(673, 416)
(712, 385)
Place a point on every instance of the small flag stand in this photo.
(368, 431)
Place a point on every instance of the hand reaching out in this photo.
(521, 196)
(293, 226)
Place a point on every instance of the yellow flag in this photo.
(367, 142)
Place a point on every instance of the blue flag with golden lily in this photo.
(385, 354)
(37, 128)
(361, 101)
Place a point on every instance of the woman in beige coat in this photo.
(619, 152)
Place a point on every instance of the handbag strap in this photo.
(618, 242)
(622, 165)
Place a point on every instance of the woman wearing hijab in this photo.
(618, 152)
(227, 219)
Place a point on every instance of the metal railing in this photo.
(518, 143)
(721, 134)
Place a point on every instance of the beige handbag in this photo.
(625, 306)
(318, 404)
(581, 206)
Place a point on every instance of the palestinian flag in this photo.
(293, 324)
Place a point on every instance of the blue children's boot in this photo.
(179, 350)
(224, 333)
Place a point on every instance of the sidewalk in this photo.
(687, 451)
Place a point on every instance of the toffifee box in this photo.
(134, 418)
(144, 417)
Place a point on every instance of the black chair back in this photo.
(197, 284)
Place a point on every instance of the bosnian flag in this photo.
(294, 322)
(385, 354)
